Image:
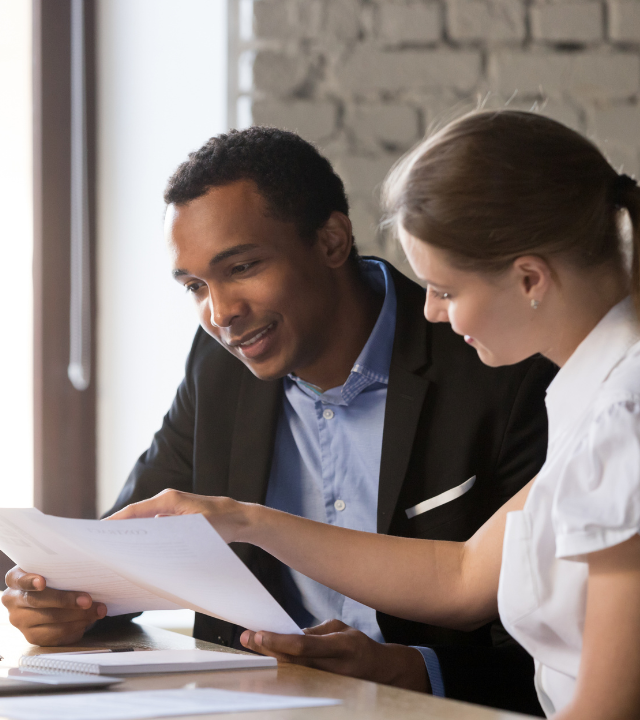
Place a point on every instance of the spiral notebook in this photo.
(148, 661)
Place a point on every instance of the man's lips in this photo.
(251, 338)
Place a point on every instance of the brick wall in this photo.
(364, 79)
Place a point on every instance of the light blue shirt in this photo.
(326, 462)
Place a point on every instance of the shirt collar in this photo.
(372, 365)
(578, 381)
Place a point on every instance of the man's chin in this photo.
(267, 370)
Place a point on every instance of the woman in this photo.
(520, 228)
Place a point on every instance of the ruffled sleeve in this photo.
(597, 500)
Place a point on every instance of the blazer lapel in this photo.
(254, 432)
(405, 394)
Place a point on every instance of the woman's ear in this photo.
(335, 239)
(534, 276)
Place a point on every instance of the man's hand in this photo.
(338, 648)
(48, 617)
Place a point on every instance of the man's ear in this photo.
(335, 239)
(534, 276)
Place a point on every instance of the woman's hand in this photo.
(229, 517)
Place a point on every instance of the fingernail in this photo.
(102, 611)
(244, 638)
(257, 638)
(38, 583)
(83, 601)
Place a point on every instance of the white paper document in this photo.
(147, 564)
(148, 704)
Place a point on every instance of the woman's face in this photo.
(492, 312)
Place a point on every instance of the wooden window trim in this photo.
(64, 417)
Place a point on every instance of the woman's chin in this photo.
(494, 359)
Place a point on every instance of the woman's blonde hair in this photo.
(493, 186)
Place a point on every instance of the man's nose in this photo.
(223, 310)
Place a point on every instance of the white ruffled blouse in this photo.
(585, 498)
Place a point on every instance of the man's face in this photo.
(261, 291)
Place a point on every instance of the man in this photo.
(316, 386)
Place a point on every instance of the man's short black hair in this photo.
(297, 182)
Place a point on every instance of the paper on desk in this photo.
(147, 564)
(148, 704)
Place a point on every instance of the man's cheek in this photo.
(206, 325)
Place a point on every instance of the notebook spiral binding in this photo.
(48, 665)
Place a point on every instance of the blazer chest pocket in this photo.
(442, 499)
(451, 515)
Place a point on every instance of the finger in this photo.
(327, 627)
(56, 634)
(18, 579)
(50, 598)
(302, 646)
(27, 617)
(248, 640)
(165, 503)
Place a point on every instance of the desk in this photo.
(362, 700)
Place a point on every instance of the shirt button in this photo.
(339, 505)
(328, 414)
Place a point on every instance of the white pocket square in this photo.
(441, 499)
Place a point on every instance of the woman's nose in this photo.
(435, 309)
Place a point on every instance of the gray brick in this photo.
(500, 20)
(277, 73)
(590, 75)
(624, 159)
(364, 220)
(618, 125)
(579, 22)
(286, 19)
(624, 21)
(314, 121)
(414, 23)
(393, 124)
(272, 18)
(372, 69)
(363, 176)
(342, 19)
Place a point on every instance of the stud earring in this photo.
(534, 304)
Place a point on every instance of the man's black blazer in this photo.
(448, 417)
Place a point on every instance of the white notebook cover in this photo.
(148, 661)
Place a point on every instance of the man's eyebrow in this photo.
(229, 252)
